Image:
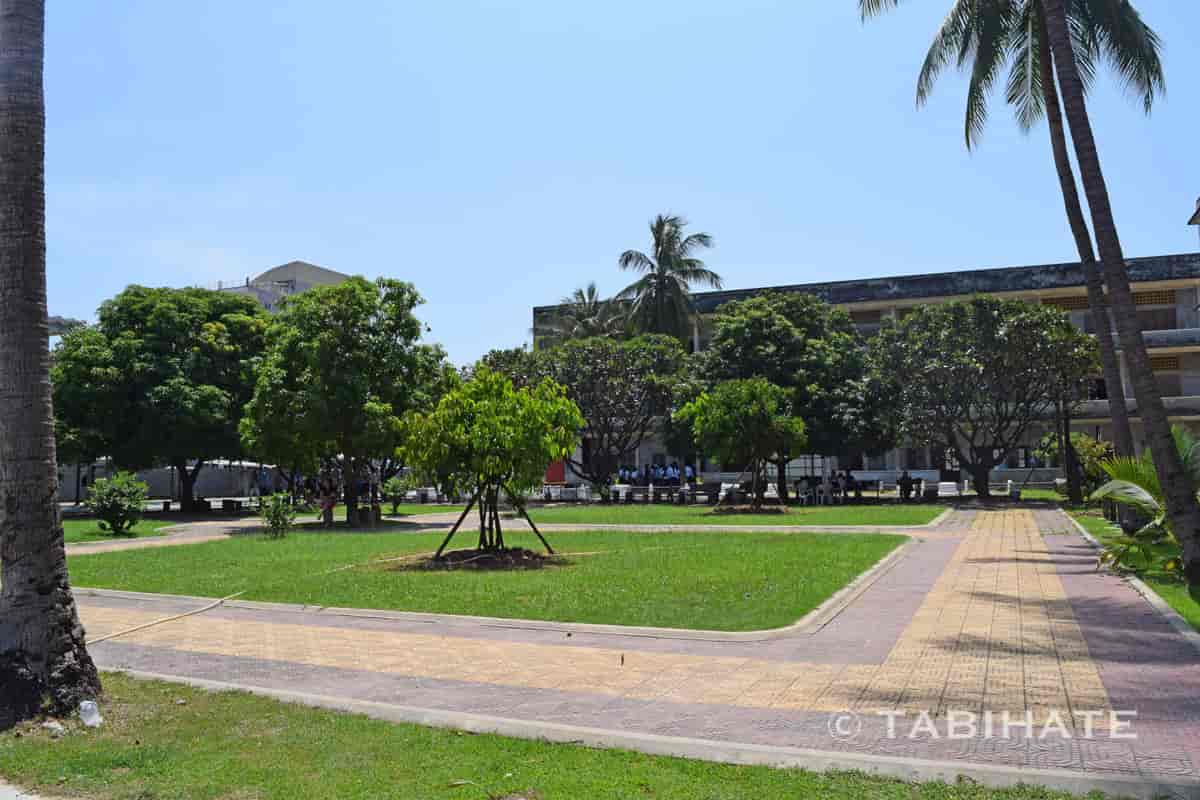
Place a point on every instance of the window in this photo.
(1160, 298)
(1075, 303)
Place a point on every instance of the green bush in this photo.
(118, 502)
(278, 515)
(396, 487)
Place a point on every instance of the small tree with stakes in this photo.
(487, 437)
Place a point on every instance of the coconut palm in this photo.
(582, 315)
(661, 301)
(44, 663)
(1179, 486)
(999, 33)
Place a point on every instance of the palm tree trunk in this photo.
(1183, 510)
(43, 654)
(1122, 433)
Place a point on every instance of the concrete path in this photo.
(184, 533)
(1028, 664)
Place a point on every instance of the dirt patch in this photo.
(515, 558)
(750, 510)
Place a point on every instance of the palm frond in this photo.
(635, 259)
(946, 46)
(1025, 92)
(873, 8)
(1130, 46)
(989, 36)
(1131, 494)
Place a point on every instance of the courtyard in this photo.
(724, 644)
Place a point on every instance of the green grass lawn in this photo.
(235, 745)
(88, 530)
(715, 581)
(640, 514)
(1175, 592)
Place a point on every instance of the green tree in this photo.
(661, 301)
(44, 661)
(973, 377)
(1013, 33)
(581, 315)
(521, 366)
(624, 391)
(342, 365)
(745, 420)
(488, 437)
(811, 349)
(162, 377)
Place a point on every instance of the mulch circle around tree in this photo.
(764, 509)
(515, 558)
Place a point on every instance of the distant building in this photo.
(1166, 290)
(283, 281)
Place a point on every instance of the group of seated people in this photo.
(658, 474)
(829, 488)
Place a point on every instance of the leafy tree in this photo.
(811, 349)
(162, 378)
(581, 315)
(44, 661)
(118, 502)
(972, 377)
(1089, 452)
(661, 301)
(1013, 33)
(342, 366)
(624, 392)
(747, 420)
(488, 437)
(521, 366)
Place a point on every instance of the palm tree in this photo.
(582, 315)
(44, 663)
(1179, 490)
(661, 300)
(1013, 31)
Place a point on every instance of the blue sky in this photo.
(499, 154)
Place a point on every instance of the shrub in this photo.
(118, 502)
(396, 487)
(278, 515)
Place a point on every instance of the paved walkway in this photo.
(996, 611)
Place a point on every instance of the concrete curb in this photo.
(810, 623)
(1173, 617)
(908, 769)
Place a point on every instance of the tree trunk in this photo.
(1122, 433)
(44, 663)
(980, 479)
(187, 484)
(1070, 463)
(781, 479)
(350, 493)
(1183, 510)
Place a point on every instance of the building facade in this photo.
(1166, 290)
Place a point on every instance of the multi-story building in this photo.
(279, 282)
(1166, 290)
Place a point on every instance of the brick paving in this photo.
(995, 611)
